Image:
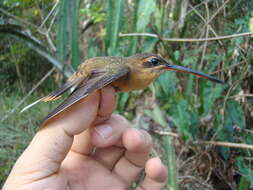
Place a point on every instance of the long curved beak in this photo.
(187, 70)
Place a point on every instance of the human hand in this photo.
(62, 155)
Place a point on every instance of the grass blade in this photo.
(109, 21)
(133, 43)
(68, 31)
(158, 117)
(62, 37)
(74, 32)
(115, 12)
(171, 162)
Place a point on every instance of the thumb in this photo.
(52, 143)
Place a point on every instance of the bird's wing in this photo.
(97, 80)
(56, 94)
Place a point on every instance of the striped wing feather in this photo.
(95, 82)
(57, 93)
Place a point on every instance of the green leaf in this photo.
(243, 184)
(115, 12)
(158, 117)
(190, 82)
(109, 22)
(149, 44)
(234, 115)
(68, 27)
(74, 26)
(158, 18)
(166, 84)
(225, 152)
(145, 9)
(62, 32)
(171, 162)
(133, 41)
(245, 170)
(210, 93)
(185, 119)
(122, 101)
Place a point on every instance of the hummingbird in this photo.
(123, 73)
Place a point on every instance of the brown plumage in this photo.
(123, 73)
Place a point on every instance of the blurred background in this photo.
(202, 131)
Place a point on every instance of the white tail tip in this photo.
(30, 105)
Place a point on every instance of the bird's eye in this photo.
(152, 63)
(155, 62)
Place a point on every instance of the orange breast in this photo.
(134, 81)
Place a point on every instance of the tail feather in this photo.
(44, 99)
(50, 98)
(30, 105)
(56, 94)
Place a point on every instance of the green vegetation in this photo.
(193, 116)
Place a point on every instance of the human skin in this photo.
(88, 147)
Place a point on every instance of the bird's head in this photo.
(151, 63)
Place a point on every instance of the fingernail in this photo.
(105, 131)
(158, 160)
(141, 135)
